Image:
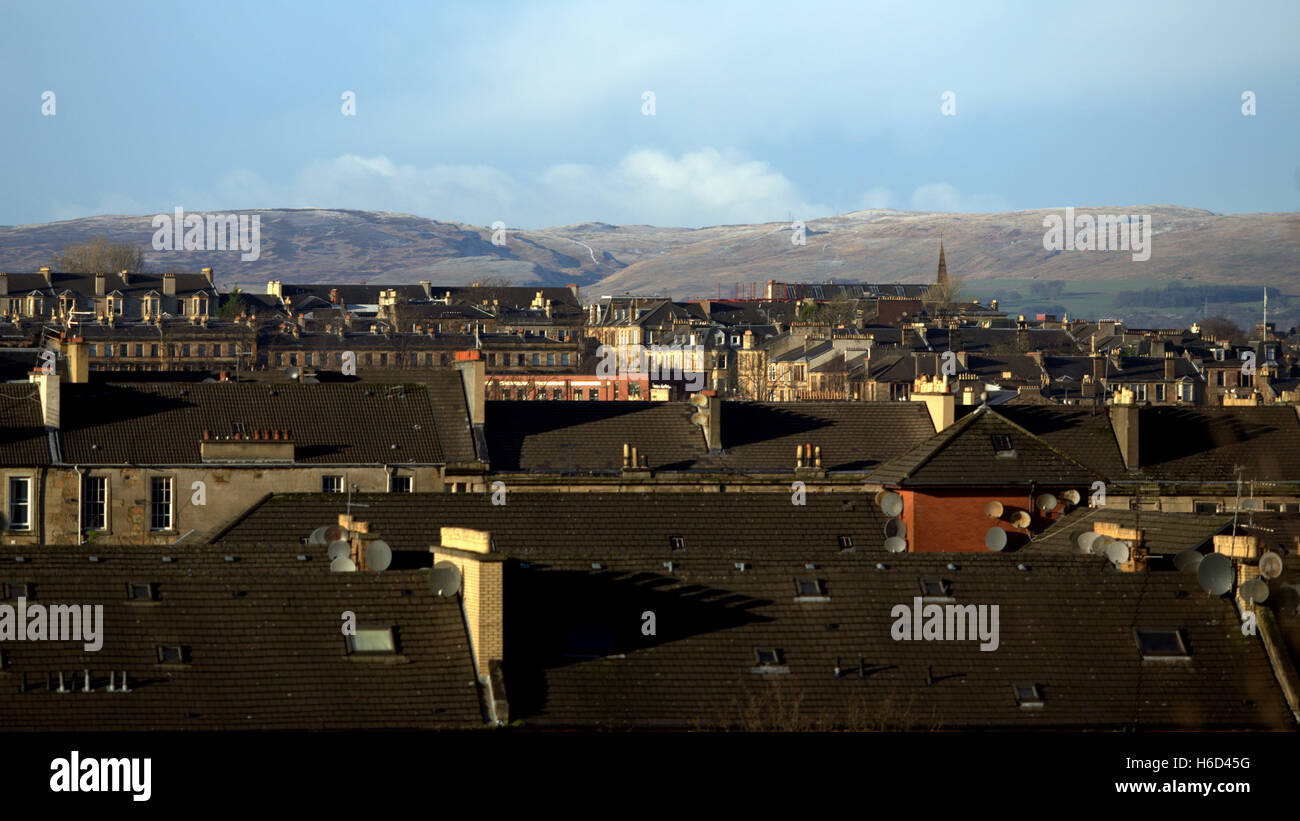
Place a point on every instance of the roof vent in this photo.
(168, 559)
(94, 558)
(302, 557)
(232, 558)
(20, 558)
(742, 566)
(881, 566)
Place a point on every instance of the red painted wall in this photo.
(941, 520)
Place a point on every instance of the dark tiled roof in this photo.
(264, 640)
(756, 437)
(1077, 432)
(1066, 625)
(963, 454)
(1208, 444)
(23, 442)
(330, 423)
(1162, 533)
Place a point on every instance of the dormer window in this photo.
(152, 306)
(935, 590)
(201, 305)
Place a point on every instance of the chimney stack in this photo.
(482, 602)
(207, 274)
(78, 363)
(99, 285)
(473, 376)
(1170, 366)
(45, 272)
(47, 385)
(4, 284)
(1124, 419)
(169, 285)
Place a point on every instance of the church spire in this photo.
(941, 281)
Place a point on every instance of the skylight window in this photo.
(139, 591)
(809, 587)
(173, 654)
(1002, 445)
(677, 542)
(1162, 644)
(770, 656)
(846, 542)
(1028, 696)
(935, 589)
(372, 640)
(13, 590)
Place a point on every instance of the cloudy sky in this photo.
(534, 113)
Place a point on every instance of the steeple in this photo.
(942, 279)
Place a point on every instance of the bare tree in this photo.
(98, 255)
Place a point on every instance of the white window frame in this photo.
(86, 500)
(12, 523)
(169, 485)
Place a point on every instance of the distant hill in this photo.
(993, 254)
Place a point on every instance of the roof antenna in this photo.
(929, 675)
(86, 688)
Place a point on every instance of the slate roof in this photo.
(1165, 534)
(264, 641)
(963, 454)
(1065, 624)
(163, 423)
(23, 442)
(1207, 444)
(756, 436)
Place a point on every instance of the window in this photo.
(537, 359)
(770, 656)
(633, 390)
(564, 359)
(846, 542)
(331, 484)
(1161, 644)
(94, 503)
(372, 640)
(1160, 392)
(399, 484)
(160, 503)
(185, 351)
(94, 349)
(1206, 507)
(370, 359)
(806, 588)
(14, 590)
(592, 394)
(121, 350)
(1002, 445)
(383, 360)
(577, 393)
(550, 359)
(203, 350)
(557, 393)
(20, 503)
(173, 654)
(140, 591)
(153, 351)
(935, 590)
(1139, 393)
(676, 543)
(1028, 695)
(139, 349)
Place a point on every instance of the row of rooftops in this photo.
(430, 423)
(757, 608)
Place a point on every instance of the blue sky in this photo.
(532, 113)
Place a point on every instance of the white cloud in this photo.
(942, 196)
(703, 187)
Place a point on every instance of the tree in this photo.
(98, 255)
(1220, 327)
(232, 305)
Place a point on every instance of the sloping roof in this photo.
(163, 423)
(264, 644)
(1163, 533)
(964, 454)
(1208, 444)
(23, 442)
(756, 436)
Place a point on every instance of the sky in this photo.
(536, 114)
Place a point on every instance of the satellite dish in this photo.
(995, 539)
(379, 555)
(891, 504)
(335, 534)
(699, 400)
(1072, 497)
(339, 548)
(700, 419)
(444, 579)
(318, 535)
(342, 565)
(1270, 565)
(1047, 503)
(1086, 541)
(1189, 560)
(895, 528)
(880, 494)
(895, 545)
(292, 373)
(1117, 552)
(1215, 574)
(993, 509)
(1255, 590)
(1021, 519)
(1100, 544)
